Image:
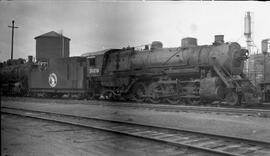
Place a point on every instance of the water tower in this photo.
(51, 45)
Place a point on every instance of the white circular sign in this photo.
(52, 79)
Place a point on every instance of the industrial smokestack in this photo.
(248, 32)
(247, 26)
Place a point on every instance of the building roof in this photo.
(51, 34)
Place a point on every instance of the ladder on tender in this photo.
(225, 76)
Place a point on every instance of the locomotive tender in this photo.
(59, 76)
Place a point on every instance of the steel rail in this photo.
(176, 108)
(213, 143)
(180, 108)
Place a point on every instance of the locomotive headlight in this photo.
(244, 54)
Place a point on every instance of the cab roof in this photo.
(102, 52)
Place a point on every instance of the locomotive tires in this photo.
(192, 101)
(172, 89)
(231, 98)
(108, 95)
(139, 92)
(248, 99)
(154, 92)
(173, 101)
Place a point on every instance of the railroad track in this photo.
(170, 108)
(205, 109)
(215, 144)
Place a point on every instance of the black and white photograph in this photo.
(135, 78)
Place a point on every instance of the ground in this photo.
(28, 137)
(22, 137)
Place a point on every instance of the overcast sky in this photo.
(94, 26)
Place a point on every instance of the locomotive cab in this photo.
(97, 62)
(92, 67)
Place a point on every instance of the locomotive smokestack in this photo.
(156, 45)
(219, 39)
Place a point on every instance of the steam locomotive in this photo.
(14, 76)
(189, 74)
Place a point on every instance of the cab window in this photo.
(92, 61)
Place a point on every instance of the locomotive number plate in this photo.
(93, 71)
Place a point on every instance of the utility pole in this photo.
(12, 27)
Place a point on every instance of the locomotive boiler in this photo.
(189, 73)
(227, 55)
